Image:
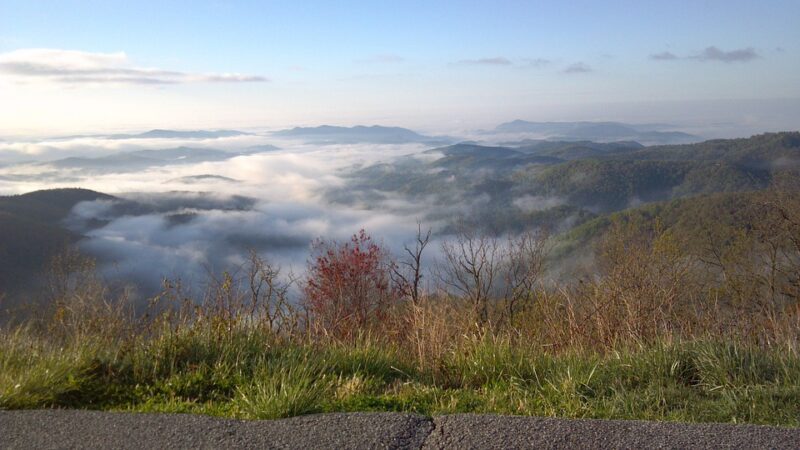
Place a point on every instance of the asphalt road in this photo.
(47, 429)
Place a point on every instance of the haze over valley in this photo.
(191, 203)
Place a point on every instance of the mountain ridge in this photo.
(376, 134)
(597, 131)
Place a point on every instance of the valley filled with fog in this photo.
(186, 204)
(196, 211)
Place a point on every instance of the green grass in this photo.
(248, 374)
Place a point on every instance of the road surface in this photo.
(44, 429)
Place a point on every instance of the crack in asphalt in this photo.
(415, 436)
(431, 430)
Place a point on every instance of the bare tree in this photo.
(82, 302)
(471, 262)
(71, 274)
(252, 293)
(269, 295)
(522, 268)
(407, 274)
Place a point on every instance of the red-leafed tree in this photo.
(348, 286)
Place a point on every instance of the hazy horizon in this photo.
(76, 67)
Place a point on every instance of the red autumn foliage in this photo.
(348, 286)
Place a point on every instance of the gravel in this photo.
(50, 429)
(467, 431)
(46, 429)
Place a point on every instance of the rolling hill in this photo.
(31, 232)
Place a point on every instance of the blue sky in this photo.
(276, 63)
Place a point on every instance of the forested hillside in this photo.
(769, 149)
(610, 185)
(559, 185)
(31, 232)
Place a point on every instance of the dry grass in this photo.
(655, 333)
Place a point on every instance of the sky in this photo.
(78, 66)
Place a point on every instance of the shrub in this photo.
(348, 287)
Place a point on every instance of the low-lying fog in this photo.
(191, 203)
(206, 215)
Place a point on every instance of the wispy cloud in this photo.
(493, 61)
(712, 54)
(381, 59)
(663, 56)
(578, 67)
(715, 54)
(78, 67)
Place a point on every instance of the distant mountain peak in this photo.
(375, 134)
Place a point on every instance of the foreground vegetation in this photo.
(248, 374)
(666, 327)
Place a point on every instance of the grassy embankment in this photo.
(246, 372)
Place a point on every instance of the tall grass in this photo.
(252, 374)
(650, 337)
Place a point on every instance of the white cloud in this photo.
(78, 67)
